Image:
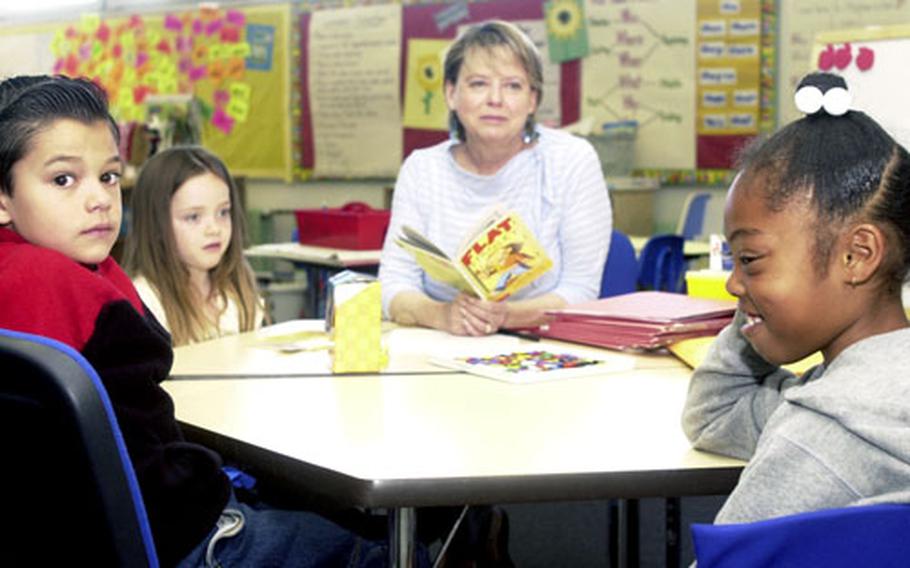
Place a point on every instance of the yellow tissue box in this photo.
(708, 284)
(355, 320)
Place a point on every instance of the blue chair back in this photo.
(692, 219)
(621, 270)
(869, 535)
(72, 494)
(661, 264)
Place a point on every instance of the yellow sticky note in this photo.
(59, 44)
(167, 83)
(216, 52)
(237, 109)
(241, 49)
(89, 23)
(240, 91)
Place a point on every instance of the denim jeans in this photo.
(278, 538)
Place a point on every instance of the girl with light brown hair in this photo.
(185, 250)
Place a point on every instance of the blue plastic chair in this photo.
(621, 270)
(661, 265)
(692, 218)
(72, 494)
(869, 535)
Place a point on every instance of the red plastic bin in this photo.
(355, 226)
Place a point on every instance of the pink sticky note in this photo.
(235, 17)
(213, 26)
(104, 33)
(141, 58)
(197, 73)
(230, 34)
(221, 97)
(172, 23)
(184, 44)
(222, 121)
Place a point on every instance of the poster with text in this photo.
(354, 77)
(641, 67)
(728, 79)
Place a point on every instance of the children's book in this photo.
(499, 257)
(533, 364)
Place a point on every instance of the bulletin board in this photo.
(270, 135)
(873, 61)
(433, 22)
(233, 62)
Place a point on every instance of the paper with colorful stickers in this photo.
(534, 364)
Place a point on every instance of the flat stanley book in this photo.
(500, 257)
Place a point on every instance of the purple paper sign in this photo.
(222, 121)
(172, 23)
(235, 17)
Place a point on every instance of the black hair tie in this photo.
(823, 91)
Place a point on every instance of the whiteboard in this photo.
(882, 91)
(800, 22)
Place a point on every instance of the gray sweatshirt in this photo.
(837, 436)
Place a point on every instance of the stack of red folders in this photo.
(640, 320)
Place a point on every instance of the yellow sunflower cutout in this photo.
(429, 76)
(564, 19)
(424, 96)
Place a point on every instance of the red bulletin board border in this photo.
(419, 21)
(720, 151)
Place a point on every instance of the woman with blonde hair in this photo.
(497, 156)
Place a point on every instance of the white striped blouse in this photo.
(557, 187)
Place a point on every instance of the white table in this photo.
(319, 264)
(402, 441)
(322, 256)
(257, 354)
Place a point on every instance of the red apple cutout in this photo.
(843, 56)
(866, 59)
(826, 58)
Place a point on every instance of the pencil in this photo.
(520, 333)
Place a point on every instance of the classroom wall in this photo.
(277, 199)
(265, 195)
(669, 202)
